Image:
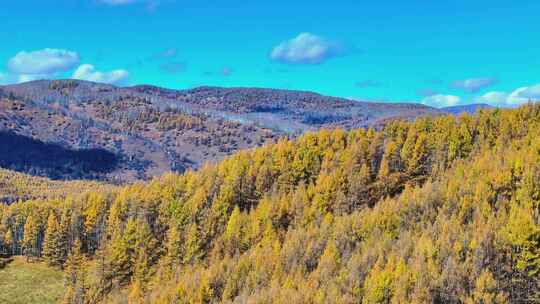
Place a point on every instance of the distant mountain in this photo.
(470, 108)
(67, 129)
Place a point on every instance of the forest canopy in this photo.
(439, 210)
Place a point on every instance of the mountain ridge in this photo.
(152, 130)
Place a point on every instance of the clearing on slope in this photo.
(28, 283)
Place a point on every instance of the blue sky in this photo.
(435, 52)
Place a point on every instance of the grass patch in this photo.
(29, 283)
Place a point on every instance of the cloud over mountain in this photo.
(52, 63)
(306, 48)
(42, 62)
(440, 100)
(532, 92)
(88, 72)
(515, 98)
(493, 98)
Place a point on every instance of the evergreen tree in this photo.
(173, 257)
(30, 238)
(63, 238)
(8, 242)
(77, 283)
(52, 251)
(103, 274)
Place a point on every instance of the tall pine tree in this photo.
(51, 245)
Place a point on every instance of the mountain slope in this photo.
(140, 132)
(442, 210)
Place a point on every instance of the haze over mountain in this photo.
(79, 129)
(470, 108)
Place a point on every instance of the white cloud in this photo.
(473, 85)
(440, 100)
(515, 98)
(43, 62)
(306, 48)
(493, 98)
(532, 92)
(88, 72)
(25, 77)
(55, 63)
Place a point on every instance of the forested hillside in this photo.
(440, 210)
(71, 129)
(16, 186)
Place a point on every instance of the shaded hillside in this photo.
(21, 153)
(442, 210)
(151, 130)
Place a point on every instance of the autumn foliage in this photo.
(440, 210)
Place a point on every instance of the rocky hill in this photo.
(68, 129)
